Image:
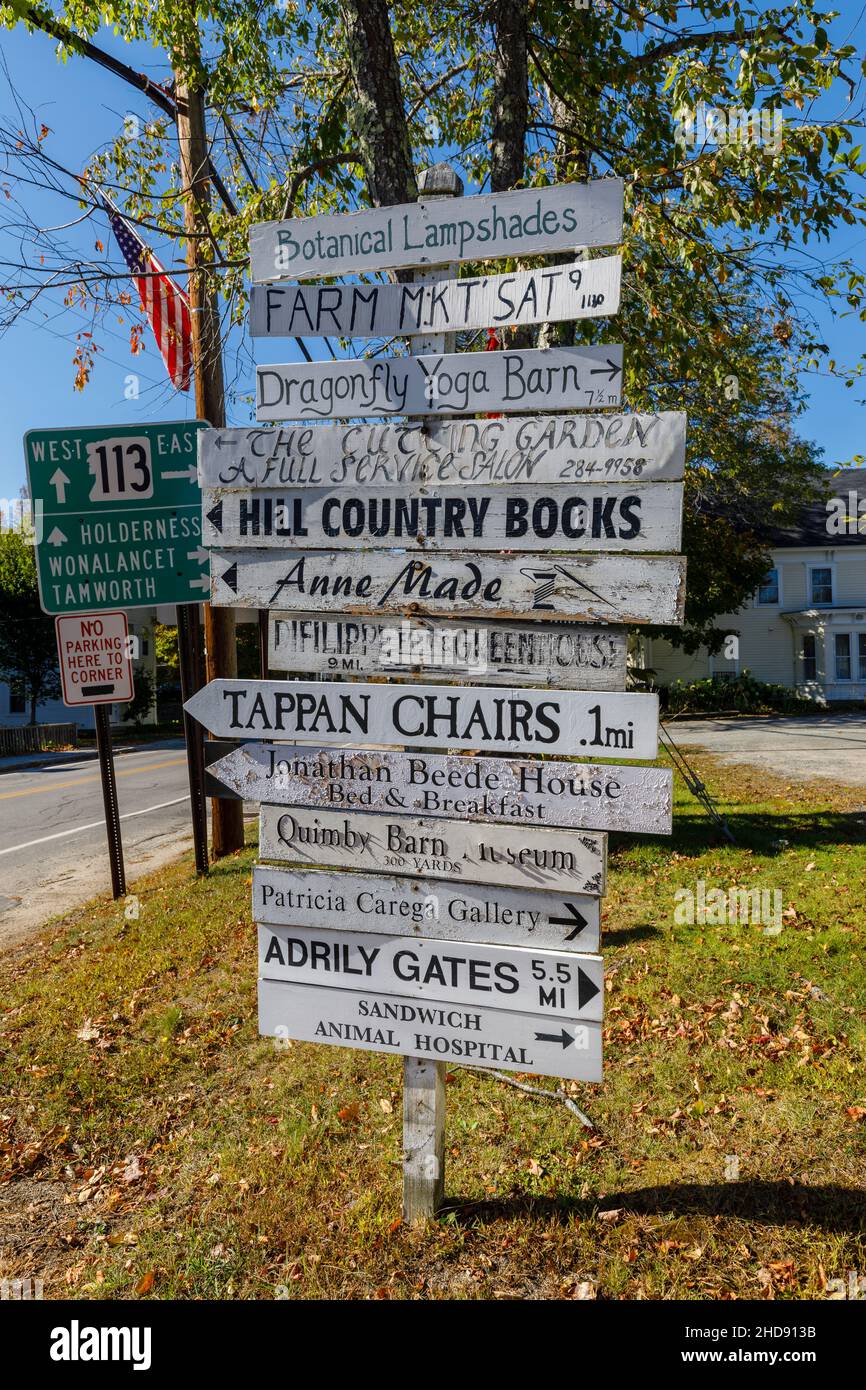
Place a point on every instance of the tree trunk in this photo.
(569, 165)
(34, 703)
(510, 113)
(510, 105)
(378, 117)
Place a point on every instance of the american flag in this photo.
(164, 302)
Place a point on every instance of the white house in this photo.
(806, 625)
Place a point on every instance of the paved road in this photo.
(52, 831)
(829, 747)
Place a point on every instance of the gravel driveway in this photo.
(829, 747)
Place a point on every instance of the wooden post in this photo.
(423, 1079)
(221, 658)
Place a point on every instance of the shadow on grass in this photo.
(621, 936)
(764, 833)
(832, 1208)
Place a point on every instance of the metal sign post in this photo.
(109, 800)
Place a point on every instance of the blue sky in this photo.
(84, 106)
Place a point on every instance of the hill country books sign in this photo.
(588, 517)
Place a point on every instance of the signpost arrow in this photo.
(558, 984)
(611, 369)
(474, 1033)
(229, 577)
(397, 906)
(190, 474)
(588, 588)
(579, 796)
(539, 449)
(575, 920)
(59, 481)
(200, 554)
(215, 517)
(564, 1039)
(331, 713)
(440, 384)
(56, 537)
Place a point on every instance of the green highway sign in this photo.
(118, 512)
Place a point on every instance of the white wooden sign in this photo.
(554, 984)
(336, 714)
(567, 378)
(540, 449)
(418, 907)
(580, 518)
(580, 796)
(562, 861)
(436, 231)
(584, 658)
(598, 588)
(477, 1034)
(586, 289)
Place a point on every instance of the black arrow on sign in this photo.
(576, 920)
(218, 442)
(230, 578)
(215, 517)
(586, 988)
(562, 1038)
(611, 370)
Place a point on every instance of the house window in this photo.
(861, 645)
(769, 590)
(17, 702)
(821, 579)
(842, 645)
(810, 657)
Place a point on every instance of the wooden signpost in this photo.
(562, 861)
(585, 517)
(420, 907)
(587, 289)
(598, 588)
(431, 716)
(539, 449)
(441, 384)
(582, 658)
(434, 906)
(527, 222)
(518, 791)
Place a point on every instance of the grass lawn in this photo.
(152, 1145)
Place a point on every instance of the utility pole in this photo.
(227, 820)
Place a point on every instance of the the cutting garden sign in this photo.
(429, 885)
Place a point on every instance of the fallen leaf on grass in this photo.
(145, 1283)
(855, 1112)
(611, 1216)
(350, 1114)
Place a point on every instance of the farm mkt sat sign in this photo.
(119, 509)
